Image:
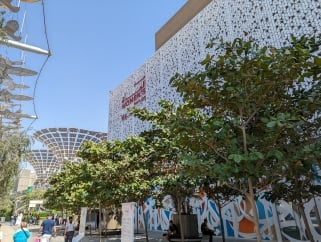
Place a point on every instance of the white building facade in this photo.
(270, 22)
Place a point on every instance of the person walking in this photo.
(12, 220)
(37, 219)
(22, 234)
(69, 230)
(19, 219)
(47, 229)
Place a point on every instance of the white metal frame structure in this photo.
(63, 144)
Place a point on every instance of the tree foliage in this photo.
(111, 173)
(248, 118)
(14, 146)
(166, 152)
(260, 110)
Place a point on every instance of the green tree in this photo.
(259, 108)
(6, 206)
(111, 173)
(14, 146)
(235, 114)
(114, 159)
(32, 195)
(70, 188)
(166, 153)
(123, 169)
(298, 186)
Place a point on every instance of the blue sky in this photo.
(95, 46)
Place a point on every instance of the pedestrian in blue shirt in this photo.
(47, 229)
(22, 234)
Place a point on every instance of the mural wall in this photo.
(270, 22)
(278, 222)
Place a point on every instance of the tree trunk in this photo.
(255, 214)
(317, 213)
(179, 211)
(221, 220)
(278, 233)
(104, 221)
(305, 221)
(99, 227)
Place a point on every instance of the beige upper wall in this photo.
(25, 179)
(182, 17)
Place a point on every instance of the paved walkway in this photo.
(9, 230)
(154, 236)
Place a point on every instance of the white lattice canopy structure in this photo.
(45, 164)
(63, 145)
